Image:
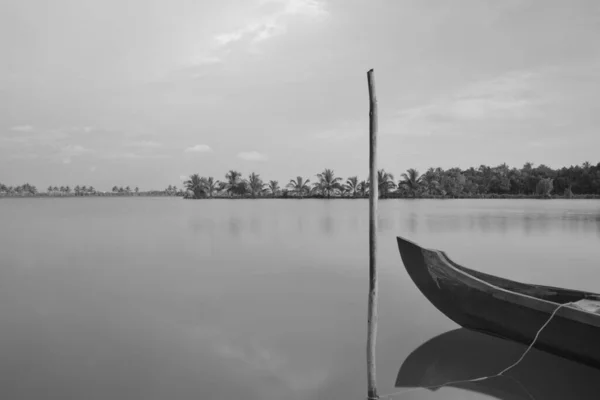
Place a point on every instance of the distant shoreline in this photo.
(315, 197)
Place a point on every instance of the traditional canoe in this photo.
(505, 308)
(461, 354)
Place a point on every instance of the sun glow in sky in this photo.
(139, 93)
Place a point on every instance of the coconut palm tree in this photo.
(67, 190)
(273, 187)
(385, 182)
(210, 185)
(234, 182)
(299, 186)
(363, 188)
(328, 182)
(255, 184)
(351, 185)
(77, 190)
(411, 180)
(194, 184)
(50, 190)
(91, 190)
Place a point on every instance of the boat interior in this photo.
(585, 301)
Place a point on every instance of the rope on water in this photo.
(391, 395)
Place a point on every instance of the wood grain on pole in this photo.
(373, 195)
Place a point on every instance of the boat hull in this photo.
(478, 305)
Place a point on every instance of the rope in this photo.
(391, 395)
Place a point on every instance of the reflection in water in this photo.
(327, 224)
(462, 354)
(385, 224)
(235, 226)
(255, 226)
(202, 225)
(413, 223)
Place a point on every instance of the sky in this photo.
(145, 92)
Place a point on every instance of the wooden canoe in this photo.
(508, 309)
(462, 354)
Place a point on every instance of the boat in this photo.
(511, 310)
(462, 354)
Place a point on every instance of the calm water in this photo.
(158, 298)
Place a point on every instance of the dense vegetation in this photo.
(487, 182)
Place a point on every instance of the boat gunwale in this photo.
(519, 299)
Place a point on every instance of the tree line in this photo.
(27, 190)
(484, 181)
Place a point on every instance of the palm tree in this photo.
(92, 190)
(352, 185)
(255, 184)
(273, 187)
(233, 182)
(137, 190)
(67, 189)
(385, 182)
(194, 184)
(299, 186)
(209, 184)
(77, 190)
(128, 190)
(411, 180)
(328, 183)
(84, 190)
(363, 188)
(50, 190)
(115, 189)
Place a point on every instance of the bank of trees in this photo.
(484, 181)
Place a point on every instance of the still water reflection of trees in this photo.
(328, 222)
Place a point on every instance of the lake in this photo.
(161, 298)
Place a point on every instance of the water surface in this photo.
(155, 298)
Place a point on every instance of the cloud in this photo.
(22, 128)
(133, 156)
(199, 148)
(510, 96)
(145, 143)
(343, 132)
(24, 156)
(252, 156)
(499, 97)
(272, 23)
(66, 153)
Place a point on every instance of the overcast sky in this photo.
(140, 92)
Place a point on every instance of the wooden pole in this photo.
(373, 195)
